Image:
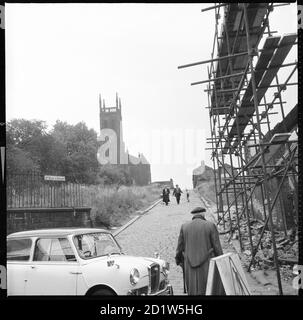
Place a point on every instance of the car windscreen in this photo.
(94, 245)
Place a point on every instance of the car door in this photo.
(54, 269)
(18, 262)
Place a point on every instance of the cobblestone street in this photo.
(158, 231)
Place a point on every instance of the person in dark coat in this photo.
(187, 195)
(177, 193)
(165, 195)
(198, 242)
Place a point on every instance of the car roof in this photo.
(55, 232)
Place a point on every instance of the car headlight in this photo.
(134, 276)
(166, 268)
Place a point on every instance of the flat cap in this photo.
(198, 210)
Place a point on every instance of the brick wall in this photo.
(21, 219)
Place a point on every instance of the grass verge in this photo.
(112, 206)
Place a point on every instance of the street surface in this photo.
(158, 231)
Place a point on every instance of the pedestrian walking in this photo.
(165, 195)
(198, 242)
(187, 195)
(177, 193)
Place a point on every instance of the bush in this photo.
(112, 206)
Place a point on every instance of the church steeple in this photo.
(110, 118)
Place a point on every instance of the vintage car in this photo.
(73, 261)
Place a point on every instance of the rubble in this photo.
(287, 249)
(260, 276)
(286, 244)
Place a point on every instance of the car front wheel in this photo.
(102, 292)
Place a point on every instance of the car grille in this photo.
(154, 277)
(162, 285)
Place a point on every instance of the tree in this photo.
(114, 175)
(21, 138)
(31, 148)
(49, 155)
(22, 133)
(80, 149)
(69, 150)
(18, 160)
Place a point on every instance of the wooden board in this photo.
(265, 56)
(226, 272)
(281, 53)
(272, 149)
(273, 59)
(248, 108)
(232, 14)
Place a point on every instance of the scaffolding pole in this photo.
(243, 145)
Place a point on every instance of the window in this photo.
(18, 249)
(42, 250)
(56, 249)
(94, 245)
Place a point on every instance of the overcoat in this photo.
(177, 192)
(198, 242)
(165, 195)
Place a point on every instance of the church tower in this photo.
(137, 168)
(111, 118)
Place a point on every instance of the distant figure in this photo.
(177, 193)
(165, 195)
(198, 242)
(187, 195)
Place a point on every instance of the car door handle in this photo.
(75, 272)
(33, 267)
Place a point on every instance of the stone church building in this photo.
(137, 167)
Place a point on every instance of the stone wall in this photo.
(140, 174)
(21, 219)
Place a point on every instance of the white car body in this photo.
(80, 275)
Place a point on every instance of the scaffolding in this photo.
(248, 155)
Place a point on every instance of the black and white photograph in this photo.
(150, 149)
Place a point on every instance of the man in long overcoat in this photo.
(165, 195)
(177, 193)
(198, 242)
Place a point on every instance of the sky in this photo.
(60, 57)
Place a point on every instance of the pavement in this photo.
(157, 231)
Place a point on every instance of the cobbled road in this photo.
(158, 231)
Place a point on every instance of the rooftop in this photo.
(55, 232)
